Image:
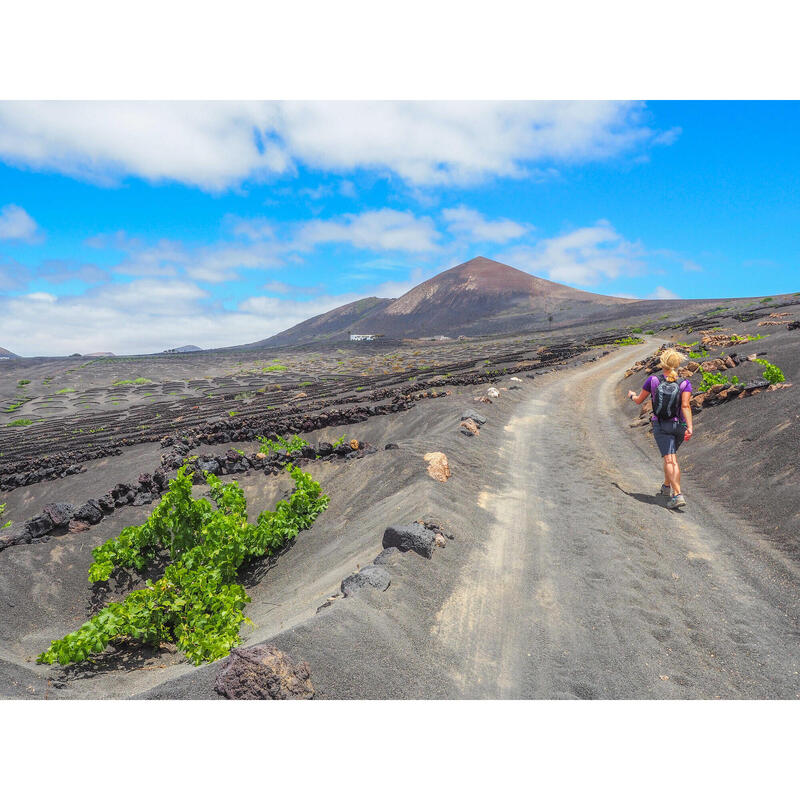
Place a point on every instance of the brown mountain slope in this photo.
(332, 324)
(478, 297)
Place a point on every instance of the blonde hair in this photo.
(670, 361)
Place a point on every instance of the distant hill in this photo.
(476, 298)
(187, 348)
(331, 325)
(97, 355)
(7, 353)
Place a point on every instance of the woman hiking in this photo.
(672, 420)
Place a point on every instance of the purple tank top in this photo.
(651, 384)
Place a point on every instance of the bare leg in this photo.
(673, 473)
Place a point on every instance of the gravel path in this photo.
(589, 587)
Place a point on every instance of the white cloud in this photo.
(662, 293)
(584, 256)
(145, 316)
(467, 223)
(255, 228)
(210, 145)
(219, 145)
(16, 223)
(385, 229)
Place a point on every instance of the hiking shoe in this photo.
(676, 502)
(665, 490)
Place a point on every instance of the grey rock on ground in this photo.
(471, 413)
(262, 672)
(414, 537)
(372, 576)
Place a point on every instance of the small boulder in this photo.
(208, 465)
(78, 526)
(371, 576)
(324, 449)
(471, 413)
(38, 526)
(492, 392)
(438, 468)
(414, 537)
(89, 512)
(469, 428)
(392, 446)
(515, 378)
(59, 513)
(262, 672)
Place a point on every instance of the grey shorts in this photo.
(669, 435)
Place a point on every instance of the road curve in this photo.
(588, 587)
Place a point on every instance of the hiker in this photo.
(672, 420)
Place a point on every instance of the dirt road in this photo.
(589, 587)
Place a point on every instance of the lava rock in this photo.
(758, 383)
(342, 450)
(142, 499)
(90, 512)
(59, 513)
(78, 526)
(794, 326)
(308, 451)
(372, 576)
(392, 446)
(324, 449)
(262, 672)
(38, 526)
(414, 537)
(208, 465)
(106, 503)
(471, 413)
(160, 479)
(469, 428)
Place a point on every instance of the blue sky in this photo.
(134, 227)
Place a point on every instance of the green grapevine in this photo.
(197, 604)
(269, 446)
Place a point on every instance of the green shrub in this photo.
(67, 390)
(698, 354)
(274, 368)
(197, 603)
(132, 381)
(20, 423)
(772, 372)
(627, 340)
(2, 514)
(269, 446)
(23, 382)
(636, 330)
(713, 378)
(650, 333)
(766, 300)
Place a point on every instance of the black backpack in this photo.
(666, 399)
